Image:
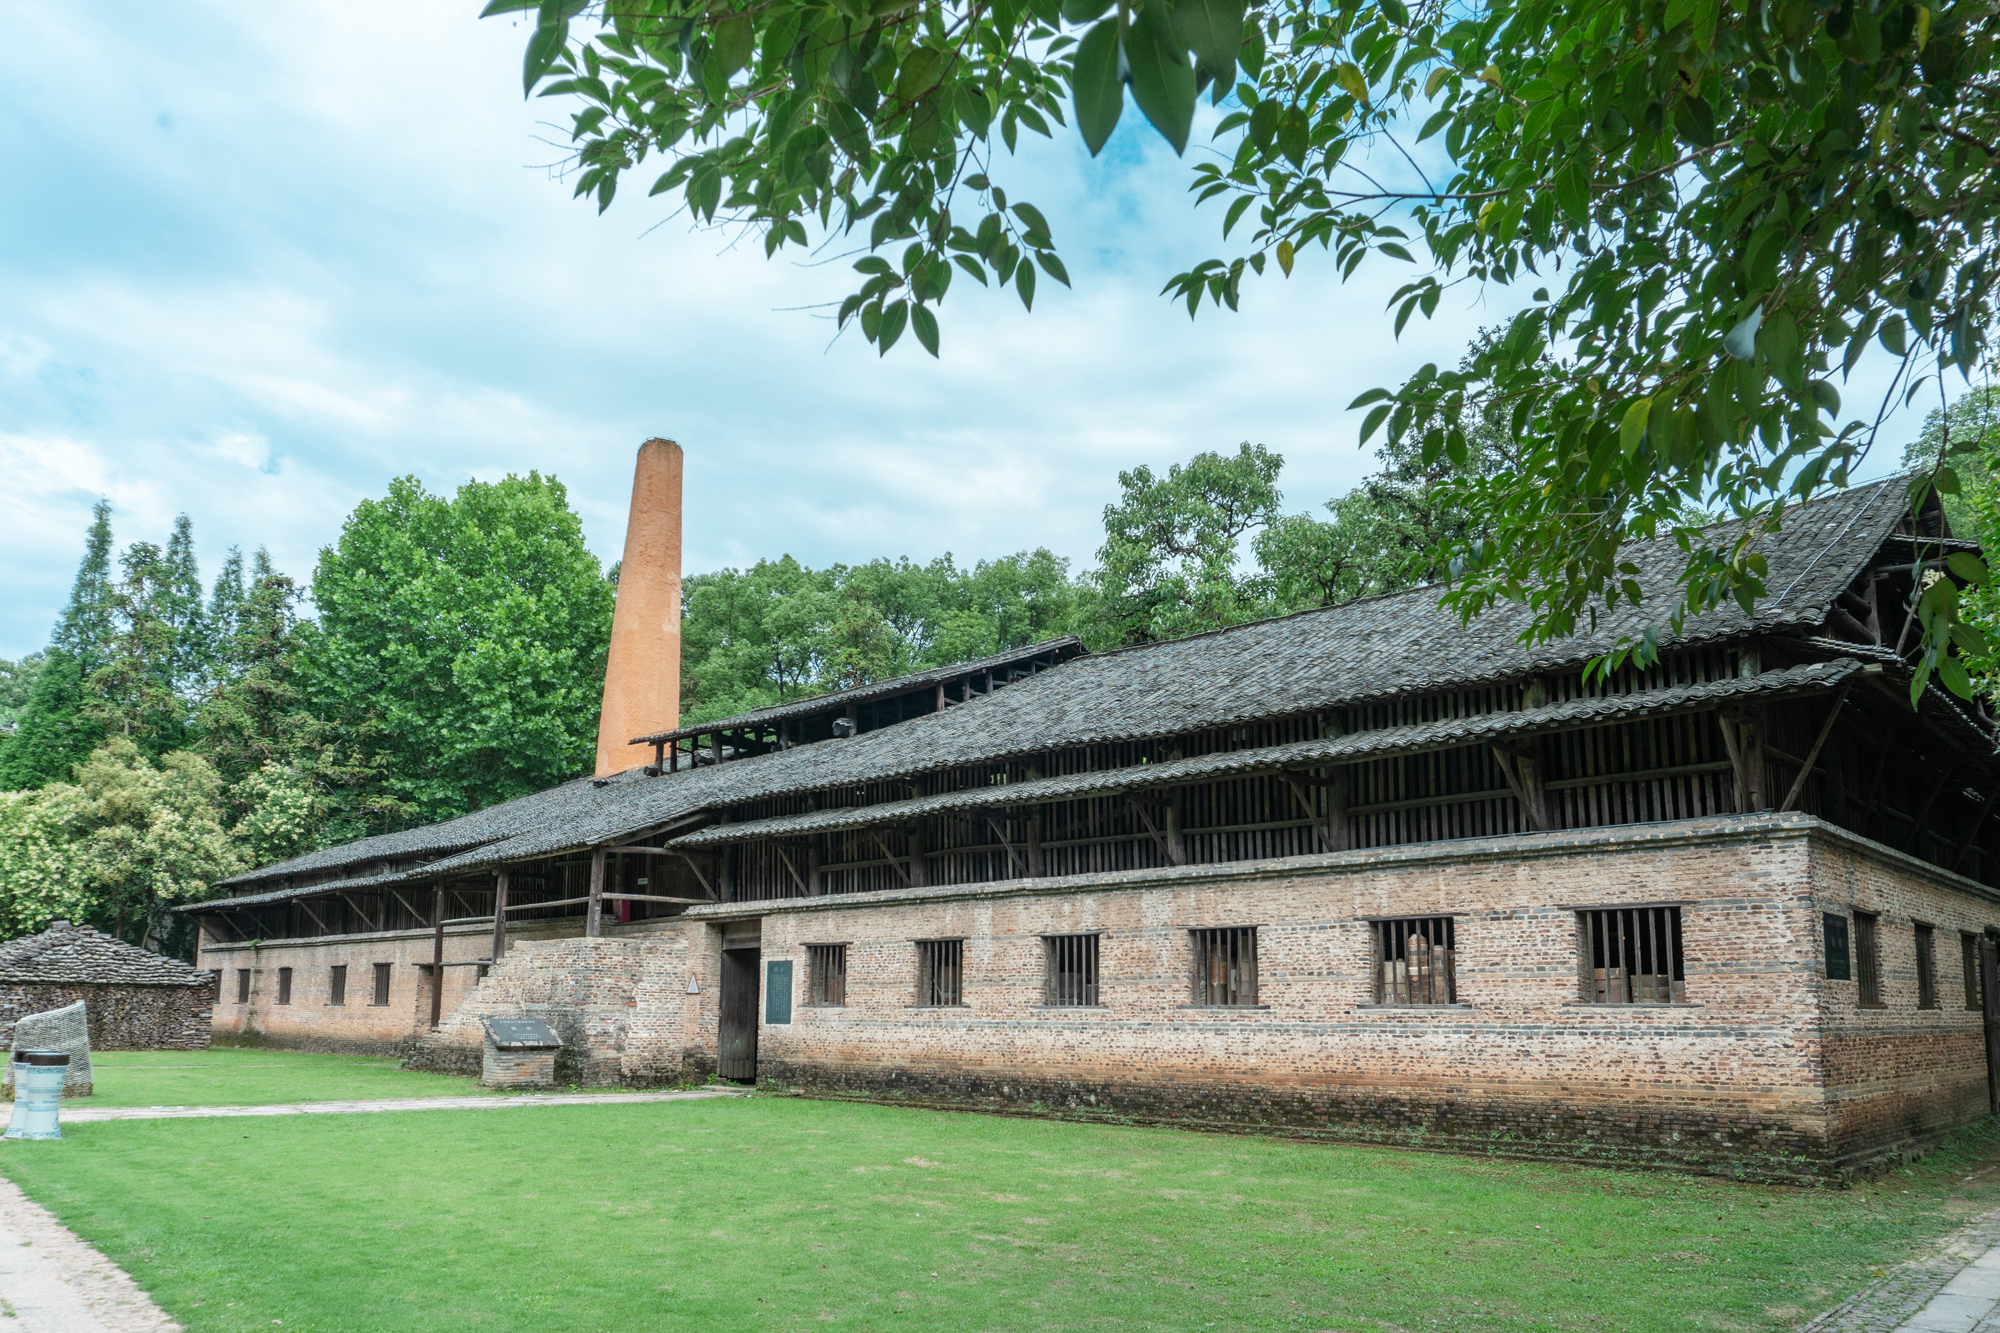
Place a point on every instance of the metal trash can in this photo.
(38, 1086)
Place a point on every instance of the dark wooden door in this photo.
(1989, 994)
(736, 1049)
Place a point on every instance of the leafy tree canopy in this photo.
(1718, 204)
(461, 641)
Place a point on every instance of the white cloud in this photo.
(278, 254)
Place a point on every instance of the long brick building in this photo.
(1362, 872)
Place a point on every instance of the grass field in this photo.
(244, 1076)
(787, 1214)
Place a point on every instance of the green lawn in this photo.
(246, 1076)
(789, 1214)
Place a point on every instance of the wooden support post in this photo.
(1924, 815)
(919, 867)
(895, 863)
(1034, 856)
(1812, 755)
(815, 877)
(1743, 737)
(437, 958)
(1523, 774)
(674, 757)
(593, 920)
(499, 914)
(659, 757)
(715, 745)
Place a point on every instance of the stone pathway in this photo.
(51, 1282)
(1952, 1288)
(74, 1114)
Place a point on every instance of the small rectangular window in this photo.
(284, 985)
(381, 983)
(1071, 969)
(826, 974)
(1835, 928)
(1225, 965)
(1632, 955)
(242, 985)
(1926, 968)
(1867, 962)
(1968, 962)
(484, 970)
(338, 994)
(1416, 961)
(940, 972)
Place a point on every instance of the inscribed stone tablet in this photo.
(778, 991)
(529, 1033)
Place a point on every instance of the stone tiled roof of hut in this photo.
(67, 954)
(1375, 648)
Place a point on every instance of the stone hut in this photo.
(136, 999)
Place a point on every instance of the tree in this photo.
(1172, 545)
(41, 876)
(1969, 433)
(460, 644)
(1719, 205)
(17, 685)
(54, 733)
(140, 690)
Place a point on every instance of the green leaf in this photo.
(1892, 335)
(508, 7)
(926, 327)
(1374, 419)
(734, 39)
(1081, 12)
(1100, 97)
(1162, 82)
(1052, 266)
(1826, 397)
(1952, 672)
(544, 46)
(1633, 429)
(1212, 29)
(1031, 215)
(1968, 567)
(1353, 80)
(893, 318)
(1024, 283)
(1741, 341)
(1294, 135)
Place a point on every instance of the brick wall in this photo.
(612, 1000)
(518, 1070)
(1767, 1069)
(122, 1018)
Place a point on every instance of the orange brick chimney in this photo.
(642, 677)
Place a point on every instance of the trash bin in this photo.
(38, 1086)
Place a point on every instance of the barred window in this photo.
(1968, 951)
(1867, 961)
(337, 994)
(1071, 969)
(1416, 961)
(242, 985)
(940, 972)
(1225, 965)
(1926, 967)
(1632, 955)
(284, 985)
(381, 983)
(826, 974)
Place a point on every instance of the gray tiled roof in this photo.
(66, 953)
(859, 694)
(1448, 733)
(1371, 649)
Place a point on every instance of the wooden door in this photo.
(736, 1047)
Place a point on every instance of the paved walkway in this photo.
(51, 1282)
(1954, 1287)
(73, 1114)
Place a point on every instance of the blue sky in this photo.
(256, 260)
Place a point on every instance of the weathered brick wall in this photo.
(611, 1000)
(517, 1069)
(122, 1018)
(1900, 1073)
(1736, 1078)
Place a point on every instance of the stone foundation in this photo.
(518, 1070)
(122, 1018)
